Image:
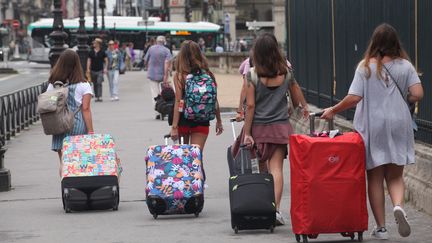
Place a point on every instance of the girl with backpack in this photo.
(68, 70)
(267, 118)
(192, 121)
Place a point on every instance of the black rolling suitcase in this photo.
(252, 199)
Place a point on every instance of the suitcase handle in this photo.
(167, 136)
(313, 116)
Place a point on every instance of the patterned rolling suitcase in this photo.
(328, 187)
(90, 173)
(175, 179)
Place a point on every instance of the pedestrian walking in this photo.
(384, 83)
(115, 62)
(158, 62)
(243, 69)
(68, 70)
(97, 64)
(191, 64)
(266, 118)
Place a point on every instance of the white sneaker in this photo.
(116, 98)
(401, 221)
(380, 233)
(279, 219)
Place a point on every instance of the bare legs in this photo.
(275, 167)
(393, 175)
(61, 163)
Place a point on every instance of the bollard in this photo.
(5, 176)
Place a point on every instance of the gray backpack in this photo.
(54, 112)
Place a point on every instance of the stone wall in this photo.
(227, 62)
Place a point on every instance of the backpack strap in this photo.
(252, 76)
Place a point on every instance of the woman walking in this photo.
(190, 60)
(266, 117)
(384, 82)
(68, 70)
(115, 61)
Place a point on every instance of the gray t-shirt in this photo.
(382, 117)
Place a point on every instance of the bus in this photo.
(123, 29)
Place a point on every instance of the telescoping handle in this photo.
(313, 116)
(166, 137)
(232, 120)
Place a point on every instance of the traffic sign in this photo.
(15, 24)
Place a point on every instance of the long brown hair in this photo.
(384, 42)
(190, 60)
(67, 69)
(267, 57)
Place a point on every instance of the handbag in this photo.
(411, 106)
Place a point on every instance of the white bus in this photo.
(125, 30)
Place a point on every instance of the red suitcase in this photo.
(328, 187)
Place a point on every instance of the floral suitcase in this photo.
(175, 179)
(90, 173)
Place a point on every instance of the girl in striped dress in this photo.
(68, 70)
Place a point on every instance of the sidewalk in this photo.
(229, 87)
(32, 211)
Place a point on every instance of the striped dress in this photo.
(79, 124)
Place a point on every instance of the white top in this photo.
(82, 89)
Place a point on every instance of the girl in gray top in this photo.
(266, 120)
(383, 119)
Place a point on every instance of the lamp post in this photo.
(82, 37)
(5, 176)
(94, 16)
(58, 35)
(102, 6)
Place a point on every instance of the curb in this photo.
(8, 71)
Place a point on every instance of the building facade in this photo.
(235, 16)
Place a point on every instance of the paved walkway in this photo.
(32, 211)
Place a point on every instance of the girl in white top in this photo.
(68, 70)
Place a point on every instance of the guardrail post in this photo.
(5, 176)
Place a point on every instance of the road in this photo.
(32, 211)
(29, 74)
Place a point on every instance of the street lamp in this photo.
(82, 37)
(58, 35)
(102, 6)
(94, 16)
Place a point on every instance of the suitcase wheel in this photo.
(236, 229)
(305, 238)
(271, 228)
(348, 234)
(116, 198)
(298, 238)
(360, 236)
(65, 204)
(155, 216)
(197, 214)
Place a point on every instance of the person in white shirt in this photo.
(68, 70)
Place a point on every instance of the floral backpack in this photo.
(200, 97)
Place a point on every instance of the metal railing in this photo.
(18, 111)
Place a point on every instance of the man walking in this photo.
(115, 61)
(95, 66)
(157, 60)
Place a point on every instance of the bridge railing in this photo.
(18, 111)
